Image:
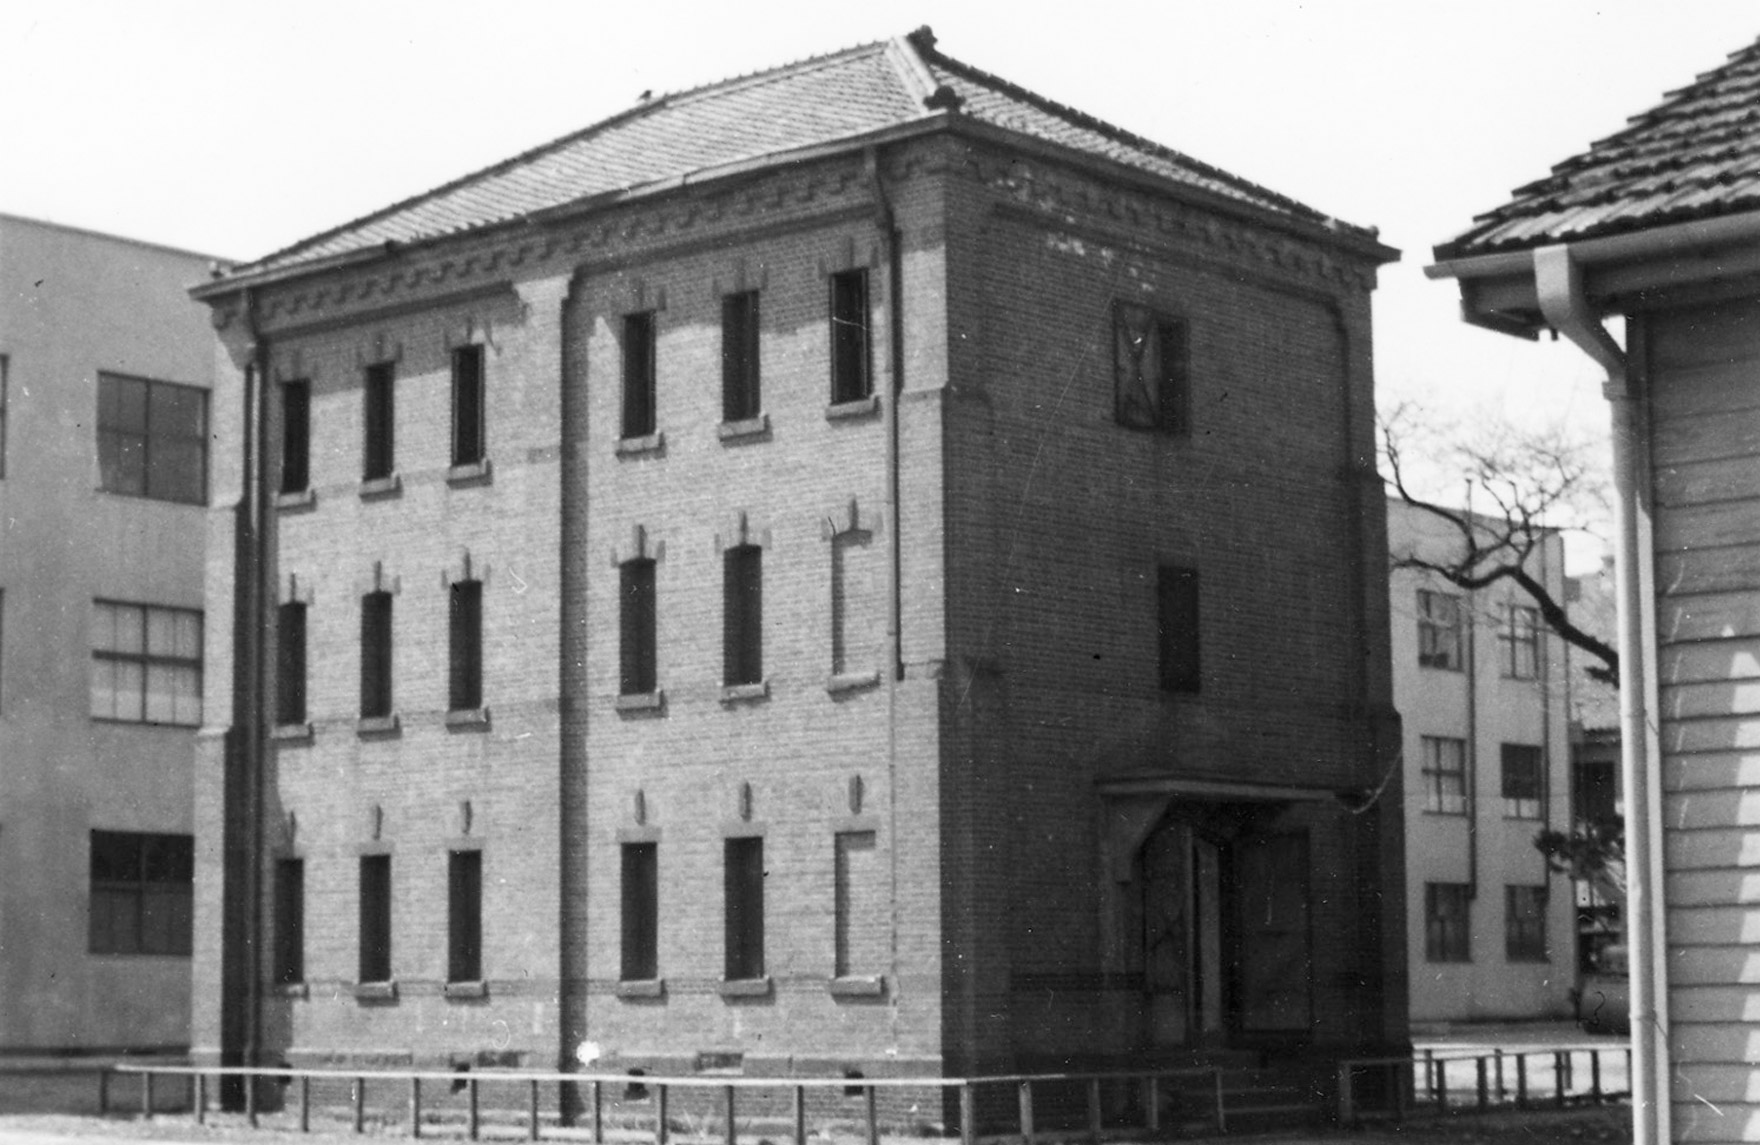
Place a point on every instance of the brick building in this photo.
(856, 567)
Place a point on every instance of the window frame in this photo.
(147, 660)
(296, 436)
(1439, 630)
(742, 630)
(464, 645)
(1161, 403)
(376, 648)
(741, 373)
(104, 934)
(639, 892)
(638, 626)
(640, 407)
(849, 320)
(743, 908)
(1524, 931)
(470, 392)
(464, 915)
(290, 663)
(1438, 798)
(1178, 627)
(1522, 781)
(374, 937)
(114, 439)
(1448, 938)
(379, 422)
(289, 968)
(1520, 636)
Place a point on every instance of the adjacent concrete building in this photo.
(105, 367)
(858, 567)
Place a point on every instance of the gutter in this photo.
(1558, 280)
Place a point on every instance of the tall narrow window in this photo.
(637, 621)
(296, 436)
(290, 921)
(376, 655)
(1439, 630)
(638, 374)
(1447, 919)
(1524, 781)
(1445, 775)
(146, 663)
(851, 358)
(152, 439)
(378, 455)
(290, 663)
(742, 615)
(464, 916)
(1521, 643)
(745, 908)
(641, 912)
(1149, 369)
(375, 935)
(740, 399)
(859, 930)
(465, 691)
(1177, 619)
(3, 365)
(469, 439)
(1524, 923)
(142, 893)
(854, 631)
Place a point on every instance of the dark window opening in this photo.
(378, 457)
(464, 917)
(1177, 618)
(641, 912)
(142, 893)
(465, 689)
(1439, 630)
(1524, 781)
(1445, 775)
(290, 663)
(1524, 913)
(290, 921)
(742, 613)
(740, 398)
(639, 379)
(152, 439)
(1149, 364)
(376, 655)
(638, 623)
(1447, 918)
(851, 357)
(296, 436)
(375, 934)
(469, 439)
(745, 908)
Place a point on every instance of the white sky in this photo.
(237, 128)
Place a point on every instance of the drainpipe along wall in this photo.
(1558, 281)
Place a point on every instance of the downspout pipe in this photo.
(1558, 280)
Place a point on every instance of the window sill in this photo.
(378, 488)
(478, 989)
(851, 681)
(296, 501)
(745, 988)
(291, 990)
(468, 719)
(471, 473)
(379, 725)
(743, 693)
(861, 407)
(642, 988)
(292, 733)
(648, 443)
(375, 991)
(863, 986)
(642, 701)
(745, 429)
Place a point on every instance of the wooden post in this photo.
(1430, 1076)
(598, 1113)
(250, 1099)
(1560, 1077)
(305, 1103)
(1483, 1081)
(1347, 1113)
(104, 1089)
(871, 1102)
(470, 1113)
(200, 1100)
(147, 1093)
(1026, 1103)
(1521, 1080)
(1094, 1110)
(1152, 1098)
(1441, 1092)
(360, 1104)
(732, 1121)
(1501, 1089)
(415, 1107)
(800, 1115)
(532, 1109)
(1595, 1074)
(968, 1112)
(660, 1130)
(1221, 1110)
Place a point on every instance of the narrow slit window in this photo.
(465, 628)
(641, 912)
(464, 916)
(851, 353)
(296, 436)
(1177, 625)
(638, 622)
(740, 395)
(290, 922)
(376, 655)
(375, 928)
(743, 634)
(469, 436)
(744, 899)
(639, 379)
(290, 663)
(378, 455)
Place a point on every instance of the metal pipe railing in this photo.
(1439, 1097)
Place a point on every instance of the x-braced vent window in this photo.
(1149, 364)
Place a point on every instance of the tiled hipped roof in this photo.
(842, 96)
(1695, 156)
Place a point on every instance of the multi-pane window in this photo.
(152, 439)
(379, 446)
(1445, 775)
(637, 619)
(290, 922)
(641, 912)
(375, 931)
(290, 663)
(1176, 597)
(465, 643)
(142, 893)
(1521, 642)
(469, 429)
(1439, 630)
(859, 929)
(639, 379)
(464, 916)
(743, 615)
(1447, 916)
(744, 898)
(376, 655)
(1524, 781)
(1524, 923)
(296, 436)
(851, 358)
(1149, 370)
(146, 663)
(740, 398)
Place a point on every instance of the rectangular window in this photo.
(152, 439)
(290, 663)
(465, 626)
(851, 358)
(378, 453)
(1445, 775)
(745, 908)
(469, 439)
(464, 916)
(639, 378)
(1524, 781)
(859, 929)
(641, 912)
(740, 399)
(1176, 592)
(1447, 908)
(1524, 923)
(1439, 630)
(1149, 369)
(290, 921)
(296, 436)
(742, 615)
(146, 664)
(637, 620)
(376, 655)
(1521, 643)
(375, 936)
(142, 893)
